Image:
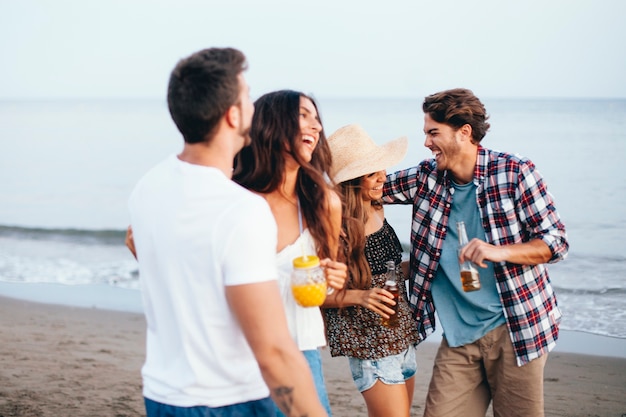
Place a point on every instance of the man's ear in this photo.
(233, 116)
(466, 131)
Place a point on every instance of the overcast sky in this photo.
(331, 48)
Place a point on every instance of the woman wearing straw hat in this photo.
(382, 359)
(286, 163)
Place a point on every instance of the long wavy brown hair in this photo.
(260, 167)
(353, 236)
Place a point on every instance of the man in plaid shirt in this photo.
(496, 340)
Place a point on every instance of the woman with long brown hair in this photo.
(286, 163)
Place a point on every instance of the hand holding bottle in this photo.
(378, 300)
(391, 285)
(470, 279)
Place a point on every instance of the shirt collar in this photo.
(482, 163)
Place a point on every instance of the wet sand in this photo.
(60, 361)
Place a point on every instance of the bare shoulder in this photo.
(333, 202)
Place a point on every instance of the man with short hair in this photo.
(217, 335)
(496, 340)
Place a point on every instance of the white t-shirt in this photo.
(196, 232)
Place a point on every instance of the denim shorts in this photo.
(389, 370)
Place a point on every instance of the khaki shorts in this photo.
(466, 378)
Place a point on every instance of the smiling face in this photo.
(310, 128)
(444, 143)
(453, 149)
(372, 185)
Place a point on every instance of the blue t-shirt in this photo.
(465, 316)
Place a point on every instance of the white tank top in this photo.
(305, 323)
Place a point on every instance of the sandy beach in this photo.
(60, 361)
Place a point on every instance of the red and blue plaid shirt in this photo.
(515, 207)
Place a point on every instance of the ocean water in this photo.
(67, 168)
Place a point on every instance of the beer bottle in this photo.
(470, 279)
(391, 285)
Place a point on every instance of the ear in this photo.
(466, 132)
(232, 116)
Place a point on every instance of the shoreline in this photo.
(108, 297)
(65, 360)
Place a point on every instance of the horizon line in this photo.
(315, 96)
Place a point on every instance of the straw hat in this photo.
(355, 154)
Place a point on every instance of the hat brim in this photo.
(376, 159)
